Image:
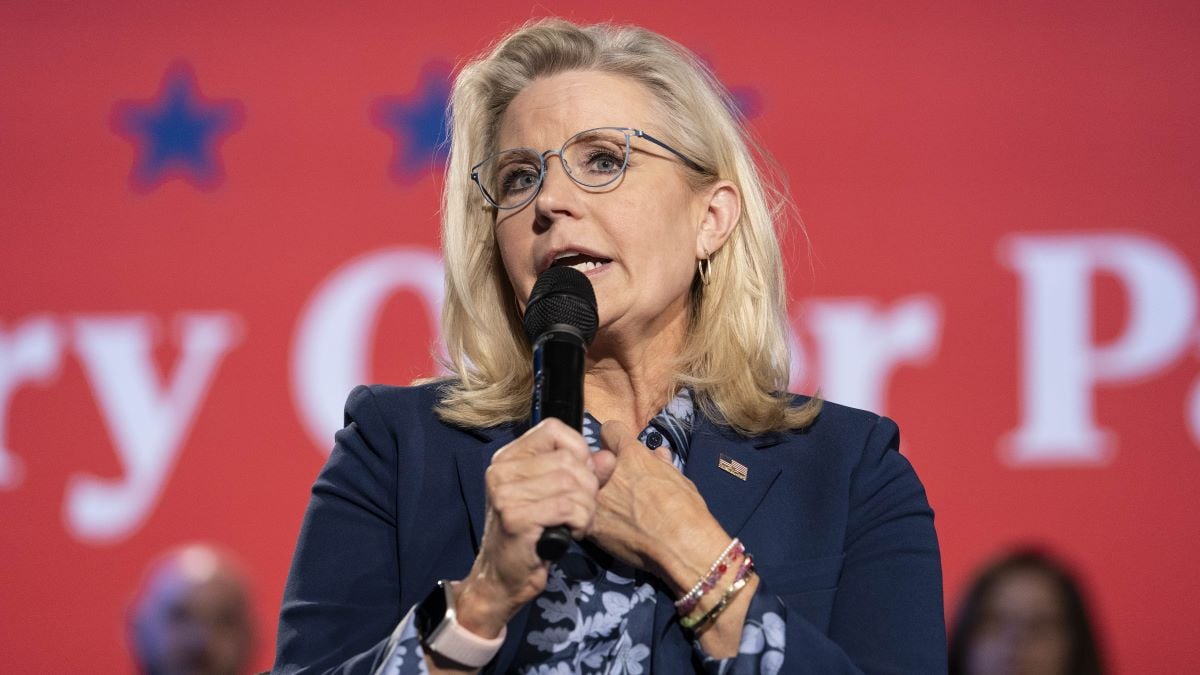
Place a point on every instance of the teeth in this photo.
(565, 254)
(585, 267)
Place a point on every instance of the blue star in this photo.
(417, 124)
(747, 100)
(176, 134)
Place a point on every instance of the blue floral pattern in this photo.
(596, 614)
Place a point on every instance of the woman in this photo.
(1025, 613)
(614, 151)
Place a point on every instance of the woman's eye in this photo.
(604, 162)
(518, 180)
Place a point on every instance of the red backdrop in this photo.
(218, 216)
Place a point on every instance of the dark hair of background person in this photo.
(1083, 655)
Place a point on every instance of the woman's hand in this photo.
(650, 515)
(543, 478)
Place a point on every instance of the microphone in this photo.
(560, 321)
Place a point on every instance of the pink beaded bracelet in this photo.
(699, 624)
(746, 569)
(688, 602)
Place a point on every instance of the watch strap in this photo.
(453, 641)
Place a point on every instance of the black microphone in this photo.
(560, 321)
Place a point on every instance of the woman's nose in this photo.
(559, 196)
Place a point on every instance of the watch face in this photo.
(431, 611)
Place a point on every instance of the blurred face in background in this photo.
(1023, 628)
(193, 617)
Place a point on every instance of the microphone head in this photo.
(561, 295)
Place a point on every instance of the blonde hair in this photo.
(735, 355)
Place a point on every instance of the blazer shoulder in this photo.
(836, 417)
(404, 410)
(851, 430)
(393, 398)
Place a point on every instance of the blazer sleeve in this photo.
(342, 598)
(887, 614)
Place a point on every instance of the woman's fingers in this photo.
(560, 468)
(507, 485)
(604, 463)
(618, 439)
(549, 462)
(549, 435)
(543, 479)
(529, 517)
(643, 500)
(523, 511)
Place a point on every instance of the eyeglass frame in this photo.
(629, 132)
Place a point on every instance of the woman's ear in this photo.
(722, 210)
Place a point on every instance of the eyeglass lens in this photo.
(592, 158)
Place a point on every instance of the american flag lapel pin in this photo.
(732, 466)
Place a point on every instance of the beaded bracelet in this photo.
(732, 552)
(700, 624)
(746, 568)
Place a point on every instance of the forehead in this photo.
(1025, 590)
(553, 108)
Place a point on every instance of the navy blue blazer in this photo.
(835, 517)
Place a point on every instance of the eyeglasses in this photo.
(594, 158)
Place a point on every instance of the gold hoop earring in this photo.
(704, 267)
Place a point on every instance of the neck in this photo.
(629, 379)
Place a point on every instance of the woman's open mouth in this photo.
(580, 262)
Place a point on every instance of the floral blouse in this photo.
(596, 614)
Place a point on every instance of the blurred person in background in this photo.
(1025, 613)
(192, 615)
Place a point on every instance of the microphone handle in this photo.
(558, 361)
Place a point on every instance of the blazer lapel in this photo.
(472, 463)
(731, 499)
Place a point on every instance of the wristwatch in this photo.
(440, 631)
